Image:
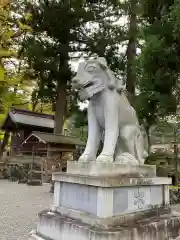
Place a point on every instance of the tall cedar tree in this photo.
(159, 62)
(63, 30)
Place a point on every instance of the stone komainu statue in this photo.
(110, 116)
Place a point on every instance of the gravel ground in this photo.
(19, 206)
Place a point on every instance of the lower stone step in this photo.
(33, 236)
(54, 226)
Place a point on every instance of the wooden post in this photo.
(48, 150)
(5, 142)
(46, 170)
(42, 178)
(31, 175)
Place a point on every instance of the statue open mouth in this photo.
(89, 84)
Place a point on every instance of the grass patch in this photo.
(174, 187)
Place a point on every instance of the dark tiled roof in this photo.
(55, 138)
(31, 113)
(25, 117)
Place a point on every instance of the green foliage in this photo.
(64, 31)
(59, 30)
(15, 88)
(53, 33)
(80, 117)
(159, 62)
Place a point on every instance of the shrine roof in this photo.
(54, 138)
(25, 117)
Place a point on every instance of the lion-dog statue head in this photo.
(94, 76)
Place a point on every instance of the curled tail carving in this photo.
(145, 141)
(141, 145)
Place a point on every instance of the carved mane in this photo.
(114, 83)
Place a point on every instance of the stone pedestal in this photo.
(99, 201)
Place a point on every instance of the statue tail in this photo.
(141, 145)
(145, 141)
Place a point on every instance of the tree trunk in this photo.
(63, 77)
(149, 142)
(176, 163)
(131, 51)
(34, 105)
(5, 142)
(60, 108)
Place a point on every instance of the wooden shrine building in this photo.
(52, 148)
(49, 144)
(32, 140)
(19, 124)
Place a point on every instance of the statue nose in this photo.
(75, 81)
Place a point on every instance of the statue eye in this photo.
(91, 69)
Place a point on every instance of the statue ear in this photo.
(112, 80)
(120, 86)
(102, 61)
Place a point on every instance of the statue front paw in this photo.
(104, 158)
(86, 158)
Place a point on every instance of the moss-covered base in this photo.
(53, 226)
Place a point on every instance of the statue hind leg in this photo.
(126, 146)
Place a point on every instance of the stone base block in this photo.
(54, 226)
(110, 169)
(108, 201)
(109, 197)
